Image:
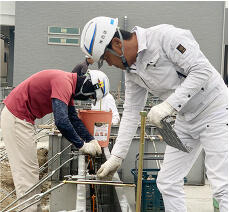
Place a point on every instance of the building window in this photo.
(63, 41)
(63, 30)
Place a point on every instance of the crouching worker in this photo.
(42, 93)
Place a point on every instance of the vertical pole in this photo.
(81, 188)
(119, 89)
(123, 73)
(100, 104)
(10, 72)
(140, 162)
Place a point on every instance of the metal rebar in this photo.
(38, 184)
(36, 197)
(48, 176)
(42, 136)
(7, 196)
(99, 182)
(47, 122)
(3, 157)
(53, 159)
(2, 150)
(155, 149)
(42, 168)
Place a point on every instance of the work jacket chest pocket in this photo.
(156, 71)
(149, 73)
(150, 60)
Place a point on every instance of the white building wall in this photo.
(32, 53)
(7, 13)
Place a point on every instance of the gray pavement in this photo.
(198, 198)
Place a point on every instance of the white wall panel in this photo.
(32, 52)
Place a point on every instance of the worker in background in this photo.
(167, 62)
(107, 103)
(42, 93)
(82, 67)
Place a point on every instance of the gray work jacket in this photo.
(81, 68)
(171, 66)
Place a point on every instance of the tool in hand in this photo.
(170, 136)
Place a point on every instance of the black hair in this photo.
(125, 35)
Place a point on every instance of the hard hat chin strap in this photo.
(96, 86)
(124, 62)
(81, 89)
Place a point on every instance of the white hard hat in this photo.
(96, 35)
(100, 82)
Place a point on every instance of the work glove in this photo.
(89, 149)
(159, 112)
(98, 148)
(107, 170)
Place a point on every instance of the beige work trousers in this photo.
(19, 139)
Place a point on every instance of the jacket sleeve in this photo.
(84, 68)
(60, 111)
(135, 99)
(183, 50)
(77, 69)
(115, 114)
(78, 125)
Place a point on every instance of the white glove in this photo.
(89, 149)
(158, 112)
(107, 170)
(98, 148)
